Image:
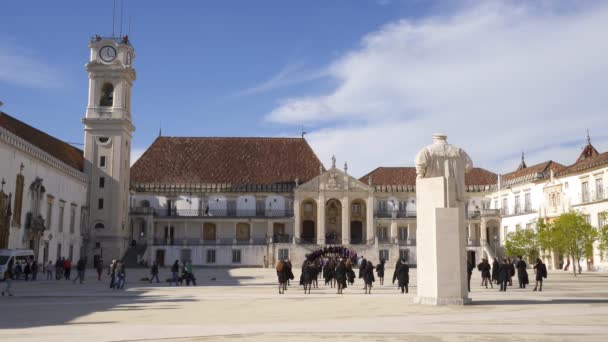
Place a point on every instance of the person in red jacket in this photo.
(67, 267)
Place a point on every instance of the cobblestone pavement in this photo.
(244, 304)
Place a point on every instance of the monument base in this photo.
(442, 301)
(442, 274)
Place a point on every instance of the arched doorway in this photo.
(493, 236)
(333, 222)
(308, 216)
(357, 218)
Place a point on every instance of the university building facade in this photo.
(227, 201)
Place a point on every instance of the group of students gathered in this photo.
(337, 270)
(502, 273)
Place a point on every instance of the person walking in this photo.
(59, 269)
(522, 273)
(175, 273)
(470, 267)
(485, 269)
(503, 274)
(122, 274)
(27, 270)
(112, 272)
(8, 278)
(80, 267)
(402, 275)
(380, 271)
(67, 268)
(99, 268)
(368, 277)
(511, 270)
(49, 270)
(541, 273)
(189, 274)
(495, 267)
(154, 272)
(34, 269)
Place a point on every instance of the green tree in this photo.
(571, 233)
(522, 242)
(603, 235)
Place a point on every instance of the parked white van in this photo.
(17, 255)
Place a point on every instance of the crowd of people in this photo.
(336, 266)
(27, 270)
(502, 272)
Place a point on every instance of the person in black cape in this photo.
(340, 276)
(402, 274)
(522, 273)
(495, 267)
(541, 273)
(504, 270)
(380, 271)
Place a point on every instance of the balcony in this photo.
(517, 211)
(483, 213)
(590, 197)
(195, 213)
(395, 213)
(406, 242)
(258, 241)
(282, 238)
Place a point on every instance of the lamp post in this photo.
(495, 243)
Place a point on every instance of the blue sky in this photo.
(369, 80)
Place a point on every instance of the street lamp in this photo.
(495, 243)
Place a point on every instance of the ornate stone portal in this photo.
(442, 274)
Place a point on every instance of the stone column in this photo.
(345, 220)
(297, 220)
(270, 231)
(369, 216)
(321, 219)
(470, 235)
(483, 233)
(394, 231)
(149, 230)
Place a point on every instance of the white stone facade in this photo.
(62, 204)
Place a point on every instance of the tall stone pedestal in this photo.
(440, 237)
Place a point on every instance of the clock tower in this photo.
(107, 147)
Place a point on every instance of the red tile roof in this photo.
(531, 173)
(585, 164)
(407, 176)
(224, 160)
(65, 152)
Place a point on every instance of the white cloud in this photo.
(497, 78)
(292, 73)
(20, 67)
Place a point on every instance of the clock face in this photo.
(107, 53)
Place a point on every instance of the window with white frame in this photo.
(210, 256)
(61, 215)
(527, 202)
(283, 253)
(236, 256)
(383, 254)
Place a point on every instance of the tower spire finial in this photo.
(588, 137)
(522, 164)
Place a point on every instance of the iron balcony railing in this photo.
(211, 213)
(406, 242)
(207, 242)
(282, 238)
(394, 213)
(588, 197)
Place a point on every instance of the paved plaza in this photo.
(243, 304)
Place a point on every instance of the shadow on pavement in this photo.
(540, 301)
